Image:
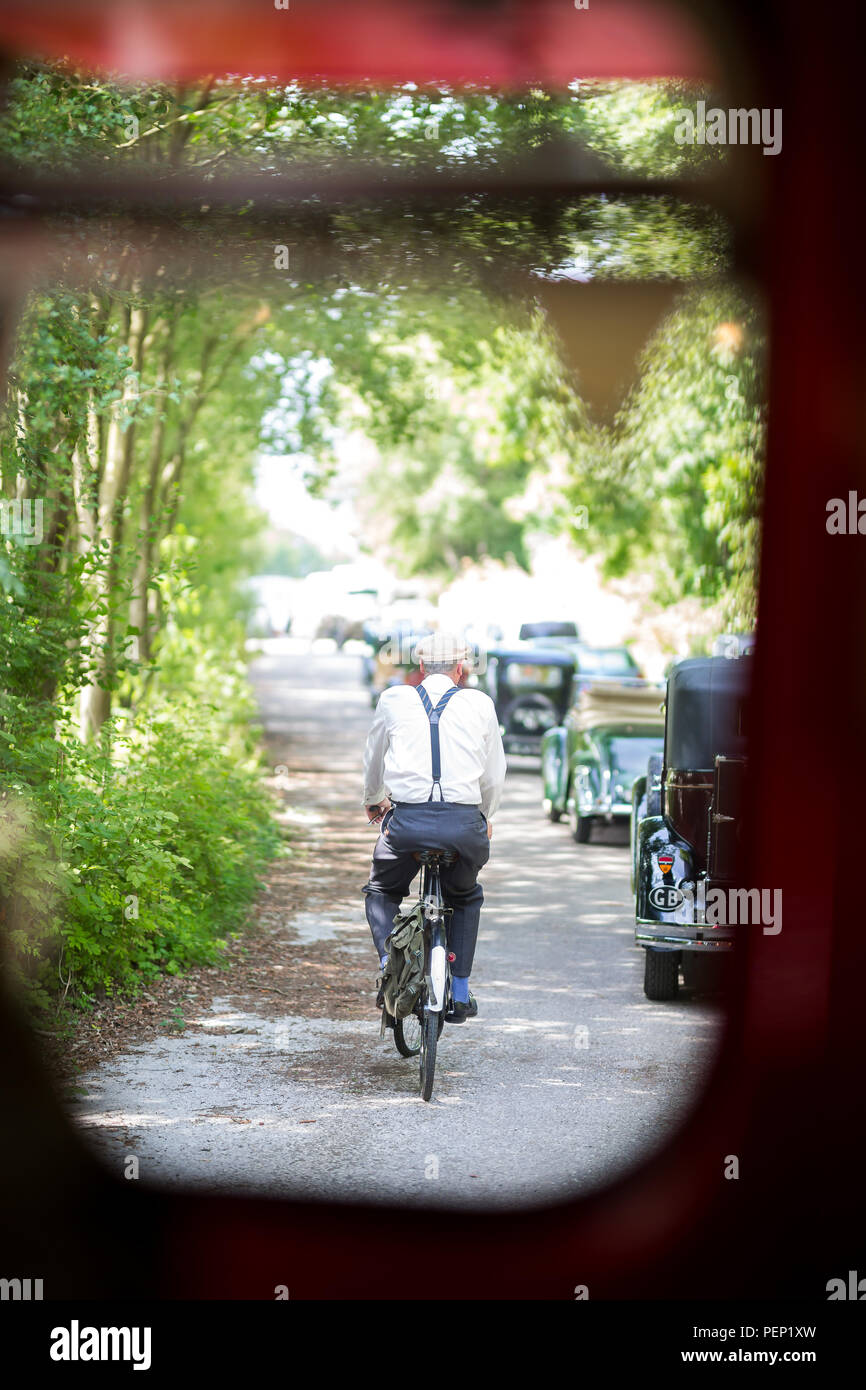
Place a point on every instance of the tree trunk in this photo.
(138, 610)
(114, 482)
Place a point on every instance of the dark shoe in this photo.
(459, 1012)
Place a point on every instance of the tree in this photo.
(676, 484)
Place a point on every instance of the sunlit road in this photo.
(566, 1077)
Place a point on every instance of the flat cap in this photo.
(441, 647)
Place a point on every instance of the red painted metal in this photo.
(544, 41)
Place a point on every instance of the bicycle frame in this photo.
(434, 997)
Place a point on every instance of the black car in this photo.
(540, 632)
(687, 824)
(531, 686)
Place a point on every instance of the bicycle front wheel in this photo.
(429, 1038)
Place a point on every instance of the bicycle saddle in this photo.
(434, 856)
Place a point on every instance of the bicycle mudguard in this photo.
(436, 979)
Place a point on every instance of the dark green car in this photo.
(590, 762)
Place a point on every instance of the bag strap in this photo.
(434, 715)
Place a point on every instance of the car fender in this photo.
(554, 767)
(638, 813)
(662, 893)
(585, 782)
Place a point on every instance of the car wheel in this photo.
(661, 977)
(529, 716)
(581, 826)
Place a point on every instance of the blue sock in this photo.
(460, 989)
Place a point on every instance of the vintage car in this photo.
(542, 632)
(606, 663)
(590, 761)
(687, 823)
(592, 663)
(531, 687)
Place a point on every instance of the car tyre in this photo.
(541, 711)
(661, 977)
(581, 826)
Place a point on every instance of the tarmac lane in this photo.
(280, 1082)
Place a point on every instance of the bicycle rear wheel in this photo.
(429, 1039)
(407, 1035)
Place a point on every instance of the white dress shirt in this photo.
(398, 760)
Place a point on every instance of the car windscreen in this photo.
(605, 663)
(629, 755)
(529, 675)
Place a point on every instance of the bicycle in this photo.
(417, 1035)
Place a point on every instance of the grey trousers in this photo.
(421, 825)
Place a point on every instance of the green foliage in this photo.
(61, 117)
(138, 850)
(167, 806)
(472, 430)
(675, 488)
(631, 124)
(141, 854)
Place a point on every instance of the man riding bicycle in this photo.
(434, 769)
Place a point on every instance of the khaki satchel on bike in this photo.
(403, 978)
